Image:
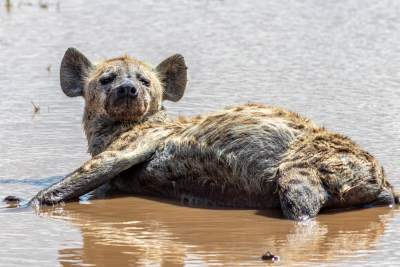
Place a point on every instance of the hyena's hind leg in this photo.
(301, 192)
(357, 183)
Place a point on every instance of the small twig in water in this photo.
(36, 108)
(8, 5)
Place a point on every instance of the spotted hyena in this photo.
(249, 156)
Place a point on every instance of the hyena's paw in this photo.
(386, 197)
(301, 194)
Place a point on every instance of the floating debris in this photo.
(43, 5)
(8, 5)
(36, 108)
(268, 256)
(12, 199)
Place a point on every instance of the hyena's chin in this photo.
(127, 110)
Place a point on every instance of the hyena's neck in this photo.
(101, 131)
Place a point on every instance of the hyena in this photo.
(248, 156)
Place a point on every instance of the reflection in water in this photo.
(142, 232)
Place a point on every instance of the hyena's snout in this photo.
(125, 90)
(126, 101)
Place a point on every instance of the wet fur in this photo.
(249, 156)
(256, 156)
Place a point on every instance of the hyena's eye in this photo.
(107, 78)
(143, 80)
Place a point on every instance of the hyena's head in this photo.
(122, 89)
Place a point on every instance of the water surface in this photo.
(335, 62)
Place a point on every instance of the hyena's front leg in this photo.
(300, 191)
(94, 173)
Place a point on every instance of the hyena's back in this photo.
(229, 158)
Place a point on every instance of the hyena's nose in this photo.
(127, 89)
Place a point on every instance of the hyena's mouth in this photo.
(126, 109)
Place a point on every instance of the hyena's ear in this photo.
(74, 69)
(173, 75)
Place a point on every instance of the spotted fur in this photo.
(248, 156)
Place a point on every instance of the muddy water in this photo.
(336, 62)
